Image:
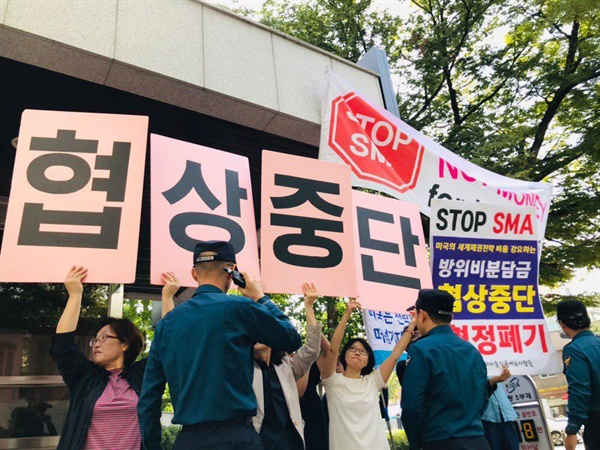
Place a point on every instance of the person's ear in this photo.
(194, 274)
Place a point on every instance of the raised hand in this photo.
(73, 281)
(253, 289)
(351, 306)
(310, 294)
(172, 284)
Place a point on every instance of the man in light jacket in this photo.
(278, 419)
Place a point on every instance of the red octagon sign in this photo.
(372, 145)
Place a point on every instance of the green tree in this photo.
(512, 86)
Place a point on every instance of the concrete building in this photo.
(202, 75)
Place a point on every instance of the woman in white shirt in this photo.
(352, 397)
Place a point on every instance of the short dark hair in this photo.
(211, 266)
(127, 333)
(370, 364)
(438, 319)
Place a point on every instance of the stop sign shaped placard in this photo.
(373, 145)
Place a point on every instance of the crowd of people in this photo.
(239, 379)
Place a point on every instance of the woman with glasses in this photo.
(353, 396)
(103, 393)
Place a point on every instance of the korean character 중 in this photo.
(500, 297)
(475, 298)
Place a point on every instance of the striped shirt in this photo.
(114, 423)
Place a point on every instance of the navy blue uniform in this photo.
(204, 349)
(581, 358)
(444, 392)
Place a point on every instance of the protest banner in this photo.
(383, 330)
(391, 254)
(76, 197)
(198, 194)
(306, 225)
(486, 256)
(388, 155)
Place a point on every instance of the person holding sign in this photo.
(203, 349)
(445, 387)
(353, 396)
(103, 393)
(581, 358)
(279, 418)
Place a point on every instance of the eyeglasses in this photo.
(101, 339)
(360, 351)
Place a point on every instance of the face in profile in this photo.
(107, 348)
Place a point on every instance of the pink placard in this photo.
(306, 226)
(198, 194)
(391, 254)
(76, 197)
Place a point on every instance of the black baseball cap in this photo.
(572, 313)
(435, 301)
(224, 251)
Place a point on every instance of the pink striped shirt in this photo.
(114, 423)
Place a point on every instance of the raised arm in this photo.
(388, 365)
(73, 283)
(169, 290)
(336, 340)
(309, 352)
(265, 321)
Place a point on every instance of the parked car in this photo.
(556, 426)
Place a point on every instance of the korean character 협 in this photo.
(63, 152)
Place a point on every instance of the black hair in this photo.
(371, 362)
(577, 322)
(438, 319)
(127, 333)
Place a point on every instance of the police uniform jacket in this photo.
(444, 390)
(581, 358)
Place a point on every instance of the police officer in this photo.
(445, 387)
(581, 358)
(203, 349)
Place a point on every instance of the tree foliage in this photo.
(512, 86)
